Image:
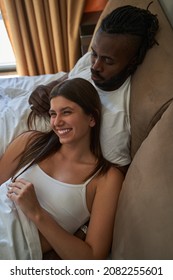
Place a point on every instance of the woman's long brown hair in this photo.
(43, 144)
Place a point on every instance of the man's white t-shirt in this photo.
(115, 128)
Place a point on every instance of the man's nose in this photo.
(97, 64)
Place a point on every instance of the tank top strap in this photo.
(87, 181)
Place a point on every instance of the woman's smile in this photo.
(64, 131)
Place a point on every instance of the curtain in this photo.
(44, 34)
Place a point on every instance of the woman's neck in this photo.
(77, 154)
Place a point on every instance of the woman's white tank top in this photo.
(65, 202)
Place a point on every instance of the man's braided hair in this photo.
(133, 21)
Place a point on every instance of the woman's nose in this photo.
(58, 121)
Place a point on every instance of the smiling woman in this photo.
(71, 118)
(60, 181)
(66, 119)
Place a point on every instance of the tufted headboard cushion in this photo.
(152, 83)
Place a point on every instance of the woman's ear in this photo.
(92, 121)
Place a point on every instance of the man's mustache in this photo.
(96, 73)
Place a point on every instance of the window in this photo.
(7, 58)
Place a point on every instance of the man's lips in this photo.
(95, 76)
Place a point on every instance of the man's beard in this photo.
(116, 81)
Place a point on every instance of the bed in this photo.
(143, 223)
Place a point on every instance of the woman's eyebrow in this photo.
(66, 108)
(62, 109)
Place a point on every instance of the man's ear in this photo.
(131, 68)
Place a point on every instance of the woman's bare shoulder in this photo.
(114, 173)
(112, 179)
(20, 142)
(11, 157)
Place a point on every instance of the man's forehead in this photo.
(104, 41)
(108, 43)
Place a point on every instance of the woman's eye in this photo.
(52, 114)
(67, 112)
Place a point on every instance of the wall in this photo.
(95, 5)
(167, 6)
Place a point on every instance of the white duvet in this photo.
(19, 239)
(14, 107)
(17, 233)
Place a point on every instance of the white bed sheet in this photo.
(14, 106)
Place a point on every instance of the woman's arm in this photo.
(100, 230)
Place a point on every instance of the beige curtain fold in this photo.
(44, 34)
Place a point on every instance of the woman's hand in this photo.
(23, 194)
